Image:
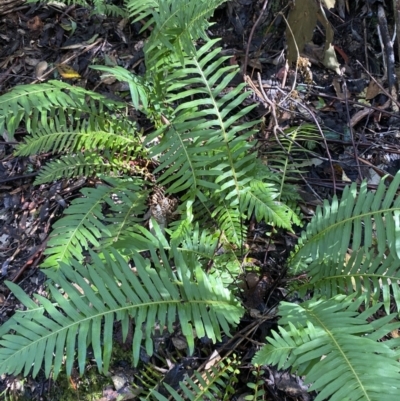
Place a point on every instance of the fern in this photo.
(42, 334)
(95, 133)
(36, 104)
(333, 344)
(174, 27)
(257, 388)
(206, 150)
(85, 225)
(292, 148)
(360, 218)
(203, 144)
(331, 325)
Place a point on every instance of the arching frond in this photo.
(86, 164)
(95, 133)
(360, 218)
(374, 277)
(200, 146)
(174, 27)
(39, 102)
(335, 346)
(93, 297)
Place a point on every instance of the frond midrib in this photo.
(331, 227)
(126, 308)
(221, 124)
(342, 353)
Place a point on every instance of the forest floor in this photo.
(358, 128)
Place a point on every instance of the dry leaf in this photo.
(329, 3)
(40, 69)
(302, 20)
(356, 118)
(67, 72)
(372, 90)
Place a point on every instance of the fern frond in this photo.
(258, 391)
(117, 135)
(230, 221)
(201, 147)
(138, 87)
(365, 274)
(141, 10)
(86, 164)
(360, 218)
(294, 146)
(175, 28)
(261, 198)
(40, 101)
(126, 208)
(93, 297)
(84, 224)
(335, 347)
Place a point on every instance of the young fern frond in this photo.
(360, 218)
(335, 346)
(261, 198)
(93, 297)
(230, 221)
(138, 87)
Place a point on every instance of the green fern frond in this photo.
(366, 274)
(289, 155)
(40, 101)
(230, 221)
(141, 10)
(93, 297)
(138, 87)
(336, 348)
(87, 164)
(123, 219)
(360, 218)
(175, 28)
(261, 199)
(101, 7)
(202, 134)
(97, 134)
(257, 387)
(84, 225)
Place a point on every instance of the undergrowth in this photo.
(105, 265)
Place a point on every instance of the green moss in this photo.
(89, 387)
